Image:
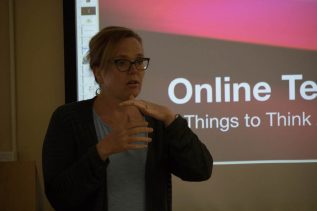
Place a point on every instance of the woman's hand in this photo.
(124, 138)
(156, 111)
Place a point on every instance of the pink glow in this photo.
(288, 23)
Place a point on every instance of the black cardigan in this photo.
(75, 176)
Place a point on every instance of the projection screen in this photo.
(243, 74)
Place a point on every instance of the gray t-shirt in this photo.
(125, 175)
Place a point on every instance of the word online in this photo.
(261, 91)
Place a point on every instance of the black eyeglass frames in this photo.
(124, 65)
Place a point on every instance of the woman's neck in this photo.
(107, 103)
(111, 112)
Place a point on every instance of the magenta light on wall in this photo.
(286, 23)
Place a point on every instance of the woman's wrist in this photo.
(169, 119)
(103, 154)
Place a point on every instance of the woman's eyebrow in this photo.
(122, 56)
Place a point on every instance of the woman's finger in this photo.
(135, 139)
(138, 130)
(140, 104)
(134, 124)
(137, 146)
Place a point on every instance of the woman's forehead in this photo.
(129, 47)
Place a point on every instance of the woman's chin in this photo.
(134, 93)
(129, 96)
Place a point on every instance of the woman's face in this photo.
(121, 85)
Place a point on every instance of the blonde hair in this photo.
(103, 44)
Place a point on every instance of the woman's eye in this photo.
(139, 61)
(121, 62)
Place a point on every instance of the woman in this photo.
(115, 152)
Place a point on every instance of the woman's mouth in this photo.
(133, 83)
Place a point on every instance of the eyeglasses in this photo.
(124, 65)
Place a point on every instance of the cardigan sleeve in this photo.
(189, 158)
(70, 179)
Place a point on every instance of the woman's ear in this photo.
(98, 76)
